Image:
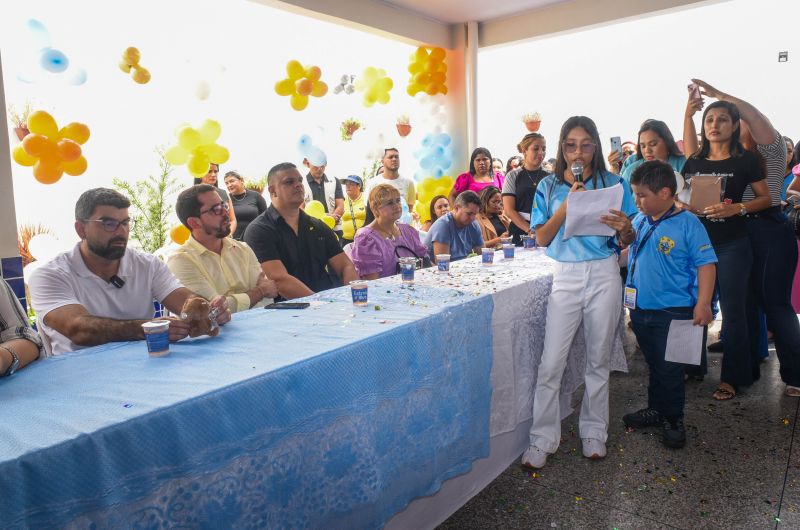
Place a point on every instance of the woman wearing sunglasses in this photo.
(586, 289)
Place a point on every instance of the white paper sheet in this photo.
(584, 209)
(684, 342)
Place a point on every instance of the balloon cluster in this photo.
(428, 72)
(50, 150)
(197, 148)
(346, 85)
(130, 65)
(49, 59)
(435, 156)
(179, 234)
(427, 190)
(317, 210)
(375, 85)
(301, 83)
(312, 153)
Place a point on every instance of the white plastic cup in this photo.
(443, 262)
(487, 256)
(358, 290)
(156, 335)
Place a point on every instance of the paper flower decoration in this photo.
(428, 72)
(345, 85)
(50, 150)
(301, 83)
(197, 148)
(375, 85)
(130, 65)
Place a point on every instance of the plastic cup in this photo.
(407, 266)
(508, 250)
(487, 256)
(156, 335)
(443, 262)
(528, 242)
(358, 289)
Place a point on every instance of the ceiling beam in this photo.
(374, 17)
(575, 15)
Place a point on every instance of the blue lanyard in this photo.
(670, 213)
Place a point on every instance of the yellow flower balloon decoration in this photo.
(130, 65)
(317, 210)
(301, 83)
(50, 150)
(197, 148)
(428, 72)
(375, 85)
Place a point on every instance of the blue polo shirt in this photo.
(666, 266)
(677, 163)
(550, 193)
(461, 240)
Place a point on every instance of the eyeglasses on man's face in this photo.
(217, 209)
(571, 147)
(111, 225)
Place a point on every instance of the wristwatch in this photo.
(742, 209)
(14, 362)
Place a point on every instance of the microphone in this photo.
(577, 170)
(116, 281)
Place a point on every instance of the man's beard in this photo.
(108, 251)
(220, 233)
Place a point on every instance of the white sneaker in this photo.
(593, 448)
(534, 457)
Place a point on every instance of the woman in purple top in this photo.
(479, 176)
(377, 246)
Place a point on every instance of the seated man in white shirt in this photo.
(98, 292)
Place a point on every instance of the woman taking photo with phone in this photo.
(586, 289)
(655, 142)
(721, 153)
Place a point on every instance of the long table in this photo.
(329, 417)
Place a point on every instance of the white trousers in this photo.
(588, 292)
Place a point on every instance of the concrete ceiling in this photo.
(458, 11)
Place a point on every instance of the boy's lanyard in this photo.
(638, 247)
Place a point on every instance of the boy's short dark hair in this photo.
(655, 175)
(91, 199)
(467, 197)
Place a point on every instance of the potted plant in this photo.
(348, 127)
(532, 121)
(403, 125)
(19, 120)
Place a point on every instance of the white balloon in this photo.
(202, 90)
(44, 247)
(29, 269)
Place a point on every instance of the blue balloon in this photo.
(78, 78)
(40, 34)
(444, 139)
(316, 157)
(53, 60)
(304, 144)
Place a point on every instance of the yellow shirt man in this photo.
(232, 273)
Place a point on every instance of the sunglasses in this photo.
(571, 147)
(111, 225)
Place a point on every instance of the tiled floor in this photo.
(739, 470)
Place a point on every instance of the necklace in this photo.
(243, 196)
(388, 235)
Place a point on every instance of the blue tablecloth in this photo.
(332, 417)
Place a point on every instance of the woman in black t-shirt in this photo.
(520, 185)
(722, 154)
(247, 204)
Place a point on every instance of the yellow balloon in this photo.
(125, 66)
(40, 122)
(141, 75)
(299, 102)
(319, 89)
(47, 171)
(21, 157)
(328, 220)
(76, 167)
(315, 209)
(176, 155)
(295, 70)
(179, 234)
(216, 153)
(284, 87)
(77, 132)
(313, 73)
(423, 211)
(304, 87)
(438, 55)
(209, 131)
(198, 164)
(131, 56)
(189, 138)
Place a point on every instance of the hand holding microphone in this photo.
(577, 173)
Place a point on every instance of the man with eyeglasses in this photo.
(101, 291)
(294, 249)
(210, 263)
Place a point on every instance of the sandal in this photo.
(724, 392)
(792, 391)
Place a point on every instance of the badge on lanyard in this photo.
(630, 297)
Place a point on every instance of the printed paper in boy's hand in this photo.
(584, 209)
(684, 342)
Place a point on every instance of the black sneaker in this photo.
(642, 418)
(715, 347)
(673, 433)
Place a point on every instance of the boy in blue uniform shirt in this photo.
(671, 274)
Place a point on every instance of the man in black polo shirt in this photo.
(293, 247)
(320, 187)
